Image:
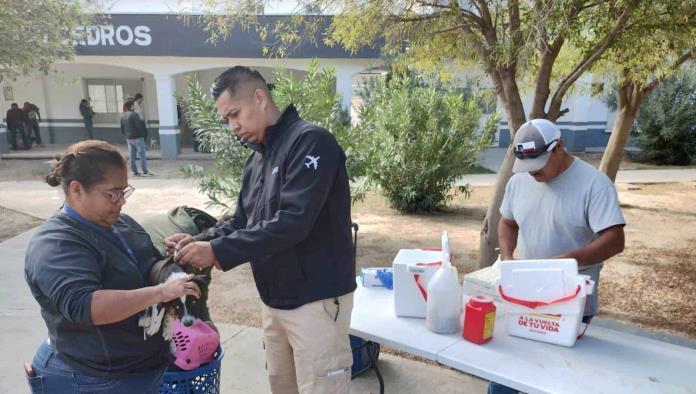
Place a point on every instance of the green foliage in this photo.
(316, 102)
(422, 135)
(667, 122)
(34, 34)
(222, 182)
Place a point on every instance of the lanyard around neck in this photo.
(75, 215)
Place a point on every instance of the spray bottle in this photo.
(444, 304)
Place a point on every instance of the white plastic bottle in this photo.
(444, 305)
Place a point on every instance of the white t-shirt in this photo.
(562, 215)
(138, 109)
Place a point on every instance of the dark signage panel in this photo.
(168, 35)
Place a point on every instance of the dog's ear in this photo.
(162, 269)
(156, 273)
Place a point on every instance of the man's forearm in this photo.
(507, 238)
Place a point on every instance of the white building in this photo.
(144, 47)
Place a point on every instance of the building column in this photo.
(4, 146)
(170, 135)
(344, 85)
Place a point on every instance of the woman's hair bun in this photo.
(53, 178)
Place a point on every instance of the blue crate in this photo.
(202, 380)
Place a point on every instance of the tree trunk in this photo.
(630, 99)
(488, 241)
(619, 136)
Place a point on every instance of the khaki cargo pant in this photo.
(307, 349)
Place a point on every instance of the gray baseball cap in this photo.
(533, 144)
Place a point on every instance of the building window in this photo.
(105, 97)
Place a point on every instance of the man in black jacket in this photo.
(292, 222)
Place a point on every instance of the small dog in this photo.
(160, 318)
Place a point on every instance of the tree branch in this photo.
(677, 63)
(589, 60)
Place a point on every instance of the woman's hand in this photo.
(177, 287)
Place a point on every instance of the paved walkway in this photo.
(491, 159)
(243, 368)
(48, 152)
(625, 176)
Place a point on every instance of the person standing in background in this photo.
(87, 115)
(15, 123)
(138, 109)
(133, 128)
(31, 122)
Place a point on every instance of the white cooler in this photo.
(544, 300)
(413, 269)
(482, 282)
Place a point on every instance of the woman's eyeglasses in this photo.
(125, 193)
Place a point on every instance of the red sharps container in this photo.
(479, 317)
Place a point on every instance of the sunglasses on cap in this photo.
(530, 153)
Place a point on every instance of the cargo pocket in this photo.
(332, 375)
(332, 308)
(36, 384)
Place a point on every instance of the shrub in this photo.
(316, 101)
(666, 123)
(423, 135)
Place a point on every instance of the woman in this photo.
(87, 114)
(87, 267)
(134, 130)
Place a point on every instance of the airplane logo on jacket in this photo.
(312, 161)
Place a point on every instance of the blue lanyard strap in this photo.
(125, 244)
(75, 215)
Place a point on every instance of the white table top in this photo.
(373, 319)
(603, 361)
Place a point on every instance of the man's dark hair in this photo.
(234, 77)
(13, 105)
(127, 106)
(138, 96)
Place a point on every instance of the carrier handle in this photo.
(536, 304)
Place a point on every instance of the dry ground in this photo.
(651, 284)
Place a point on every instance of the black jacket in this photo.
(131, 125)
(292, 219)
(66, 261)
(15, 116)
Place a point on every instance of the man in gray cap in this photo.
(558, 206)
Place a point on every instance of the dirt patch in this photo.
(14, 223)
(658, 293)
(650, 284)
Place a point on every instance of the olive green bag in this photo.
(180, 220)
